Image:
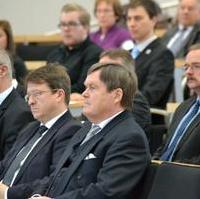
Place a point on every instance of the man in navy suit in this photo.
(186, 148)
(108, 156)
(48, 94)
(154, 63)
(14, 111)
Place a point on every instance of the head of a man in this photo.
(188, 12)
(74, 24)
(5, 70)
(48, 91)
(141, 19)
(192, 68)
(110, 88)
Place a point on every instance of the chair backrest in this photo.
(176, 181)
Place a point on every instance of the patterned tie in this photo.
(168, 154)
(16, 163)
(93, 131)
(179, 42)
(135, 52)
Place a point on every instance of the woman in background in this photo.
(7, 43)
(109, 35)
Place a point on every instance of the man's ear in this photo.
(3, 70)
(118, 94)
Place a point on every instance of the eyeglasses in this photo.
(70, 24)
(195, 67)
(37, 94)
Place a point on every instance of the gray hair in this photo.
(5, 60)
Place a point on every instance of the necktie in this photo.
(179, 42)
(93, 131)
(16, 163)
(168, 154)
(135, 52)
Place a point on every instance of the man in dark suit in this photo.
(154, 64)
(108, 156)
(34, 155)
(187, 30)
(14, 111)
(141, 108)
(185, 146)
(77, 53)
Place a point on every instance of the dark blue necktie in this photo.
(167, 155)
(16, 163)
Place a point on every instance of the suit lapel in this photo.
(44, 141)
(87, 148)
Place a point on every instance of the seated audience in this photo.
(7, 43)
(109, 35)
(141, 108)
(14, 111)
(154, 63)
(187, 29)
(41, 144)
(183, 135)
(77, 53)
(108, 156)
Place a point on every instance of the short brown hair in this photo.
(151, 7)
(117, 76)
(117, 7)
(194, 47)
(54, 75)
(84, 16)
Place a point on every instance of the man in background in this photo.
(14, 111)
(187, 29)
(77, 53)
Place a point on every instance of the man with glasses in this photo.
(187, 30)
(77, 53)
(14, 111)
(38, 149)
(184, 137)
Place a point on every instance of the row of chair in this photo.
(169, 180)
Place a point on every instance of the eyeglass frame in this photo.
(194, 67)
(37, 94)
(70, 24)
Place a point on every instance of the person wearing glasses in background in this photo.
(77, 53)
(109, 35)
(183, 135)
(38, 149)
(14, 111)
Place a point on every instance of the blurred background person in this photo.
(7, 43)
(77, 53)
(110, 34)
(186, 32)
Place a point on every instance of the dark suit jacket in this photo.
(109, 165)
(154, 68)
(141, 111)
(14, 115)
(193, 38)
(77, 61)
(188, 148)
(43, 158)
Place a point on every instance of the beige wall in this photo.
(38, 16)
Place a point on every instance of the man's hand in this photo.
(40, 197)
(3, 189)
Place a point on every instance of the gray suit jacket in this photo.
(193, 38)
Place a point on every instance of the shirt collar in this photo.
(106, 121)
(141, 46)
(5, 94)
(51, 122)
